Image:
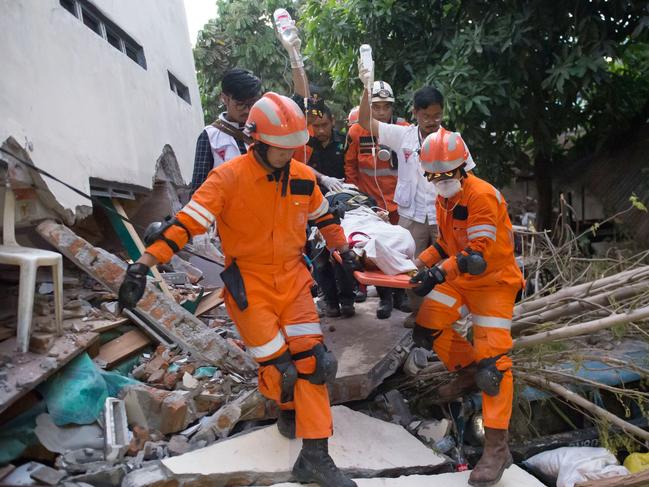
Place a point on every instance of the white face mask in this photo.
(448, 187)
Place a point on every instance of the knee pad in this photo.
(424, 337)
(288, 375)
(488, 377)
(326, 365)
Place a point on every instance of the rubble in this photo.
(115, 429)
(47, 475)
(196, 417)
(180, 325)
(361, 446)
(368, 350)
(156, 409)
(61, 439)
(513, 477)
(30, 369)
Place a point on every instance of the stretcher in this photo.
(378, 278)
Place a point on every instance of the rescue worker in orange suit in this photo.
(470, 269)
(262, 202)
(373, 169)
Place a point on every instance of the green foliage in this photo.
(637, 204)
(516, 75)
(529, 83)
(240, 36)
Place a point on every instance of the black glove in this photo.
(429, 278)
(351, 261)
(472, 262)
(132, 288)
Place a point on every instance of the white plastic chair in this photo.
(29, 260)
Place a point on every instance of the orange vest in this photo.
(476, 219)
(258, 226)
(361, 168)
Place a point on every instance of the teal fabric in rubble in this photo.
(77, 393)
(18, 434)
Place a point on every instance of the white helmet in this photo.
(382, 91)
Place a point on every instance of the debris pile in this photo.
(141, 397)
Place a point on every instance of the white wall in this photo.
(85, 108)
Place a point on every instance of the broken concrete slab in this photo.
(362, 446)
(159, 410)
(61, 439)
(433, 430)
(368, 350)
(249, 406)
(105, 476)
(513, 477)
(21, 475)
(47, 475)
(25, 371)
(188, 331)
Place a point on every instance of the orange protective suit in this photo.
(265, 232)
(360, 168)
(475, 220)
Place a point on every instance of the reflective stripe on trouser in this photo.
(491, 311)
(280, 305)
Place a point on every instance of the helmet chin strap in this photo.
(276, 174)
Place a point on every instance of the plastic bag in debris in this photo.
(18, 434)
(637, 462)
(76, 394)
(390, 247)
(571, 465)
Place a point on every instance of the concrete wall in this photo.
(84, 109)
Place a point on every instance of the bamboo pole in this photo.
(581, 290)
(583, 328)
(576, 399)
(576, 307)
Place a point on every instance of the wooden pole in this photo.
(582, 290)
(140, 246)
(582, 328)
(578, 400)
(578, 306)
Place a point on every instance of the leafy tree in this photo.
(241, 35)
(517, 74)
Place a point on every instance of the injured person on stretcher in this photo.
(386, 250)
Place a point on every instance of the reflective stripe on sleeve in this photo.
(321, 210)
(483, 233)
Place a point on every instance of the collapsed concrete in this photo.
(187, 330)
(361, 446)
(513, 477)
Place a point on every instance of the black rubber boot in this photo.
(384, 311)
(286, 423)
(360, 294)
(315, 465)
(331, 310)
(347, 309)
(401, 301)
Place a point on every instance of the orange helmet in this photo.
(276, 120)
(443, 151)
(352, 118)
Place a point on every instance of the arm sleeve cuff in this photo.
(432, 255)
(450, 268)
(334, 236)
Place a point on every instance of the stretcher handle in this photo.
(378, 278)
